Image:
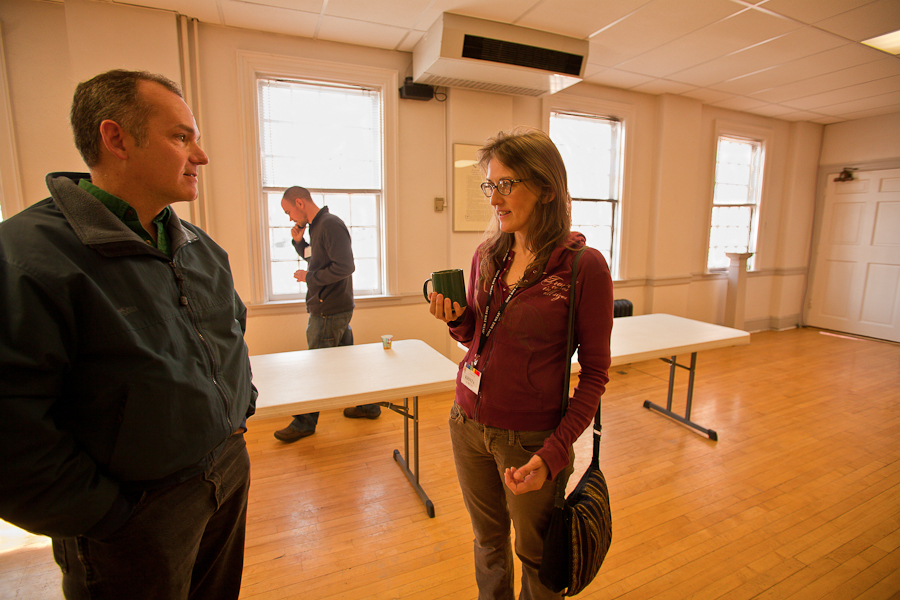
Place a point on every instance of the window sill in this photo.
(292, 307)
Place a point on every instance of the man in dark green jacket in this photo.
(126, 381)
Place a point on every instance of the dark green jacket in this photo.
(117, 363)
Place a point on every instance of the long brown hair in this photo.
(529, 154)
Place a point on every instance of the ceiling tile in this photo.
(812, 11)
(398, 13)
(504, 11)
(653, 25)
(350, 31)
(768, 54)
(886, 103)
(864, 22)
(709, 73)
(619, 79)
(266, 18)
(872, 112)
(772, 110)
(753, 82)
(789, 59)
(707, 96)
(729, 35)
(663, 86)
(827, 120)
(412, 38)
(739, 103)
(801, 115)
(592, 15)
(862, 92)
(872, 71)
(311, 6)
(845, 56)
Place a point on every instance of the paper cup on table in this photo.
(386, 341)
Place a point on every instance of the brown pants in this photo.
(482, 454)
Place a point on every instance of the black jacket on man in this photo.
(120, 366)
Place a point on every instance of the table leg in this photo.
(403, 461)
(686, 419)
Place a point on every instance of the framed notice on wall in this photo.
(471, 209)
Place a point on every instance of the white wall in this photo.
(668, 182)
(863, 141)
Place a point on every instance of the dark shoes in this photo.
(289, 434)
(365, 411)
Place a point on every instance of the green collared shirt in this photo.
(129, 216)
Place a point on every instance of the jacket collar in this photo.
(96, 226)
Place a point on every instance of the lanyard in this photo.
(485, 330)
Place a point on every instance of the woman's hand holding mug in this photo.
(445, 309)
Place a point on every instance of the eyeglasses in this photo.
(504, 186)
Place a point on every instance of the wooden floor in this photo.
(799, 498)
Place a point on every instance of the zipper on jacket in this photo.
(183, 300)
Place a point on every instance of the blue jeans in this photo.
(324, 332)
(183, 541)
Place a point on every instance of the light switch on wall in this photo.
(438, 204)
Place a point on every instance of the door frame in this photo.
(825, 171)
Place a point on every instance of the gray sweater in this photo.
(329, 279)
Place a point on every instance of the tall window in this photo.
(591, 147)
(735, 200)
(327, 138)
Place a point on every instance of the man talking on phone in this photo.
(329, 291)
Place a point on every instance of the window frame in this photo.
(319, 197)
(741, 132)
(625, 114)
(254, 66)
(11, 191)
(615, 175)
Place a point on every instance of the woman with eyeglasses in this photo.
(510, 443)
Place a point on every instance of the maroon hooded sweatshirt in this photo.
(523, 360)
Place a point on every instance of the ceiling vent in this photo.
(465, 52)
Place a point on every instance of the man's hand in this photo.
(527, 478)
(300, 275)
(297, 232)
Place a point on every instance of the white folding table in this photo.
(663, 336)
(303, 381)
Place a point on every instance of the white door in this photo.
(856, 277)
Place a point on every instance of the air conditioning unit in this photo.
(466, 52)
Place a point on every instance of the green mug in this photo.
(450, 283)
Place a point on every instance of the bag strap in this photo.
(570, 342)
(570, 349)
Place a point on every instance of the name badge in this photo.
(307, 252)
(471, 377)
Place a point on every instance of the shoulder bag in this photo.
(580, 529)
